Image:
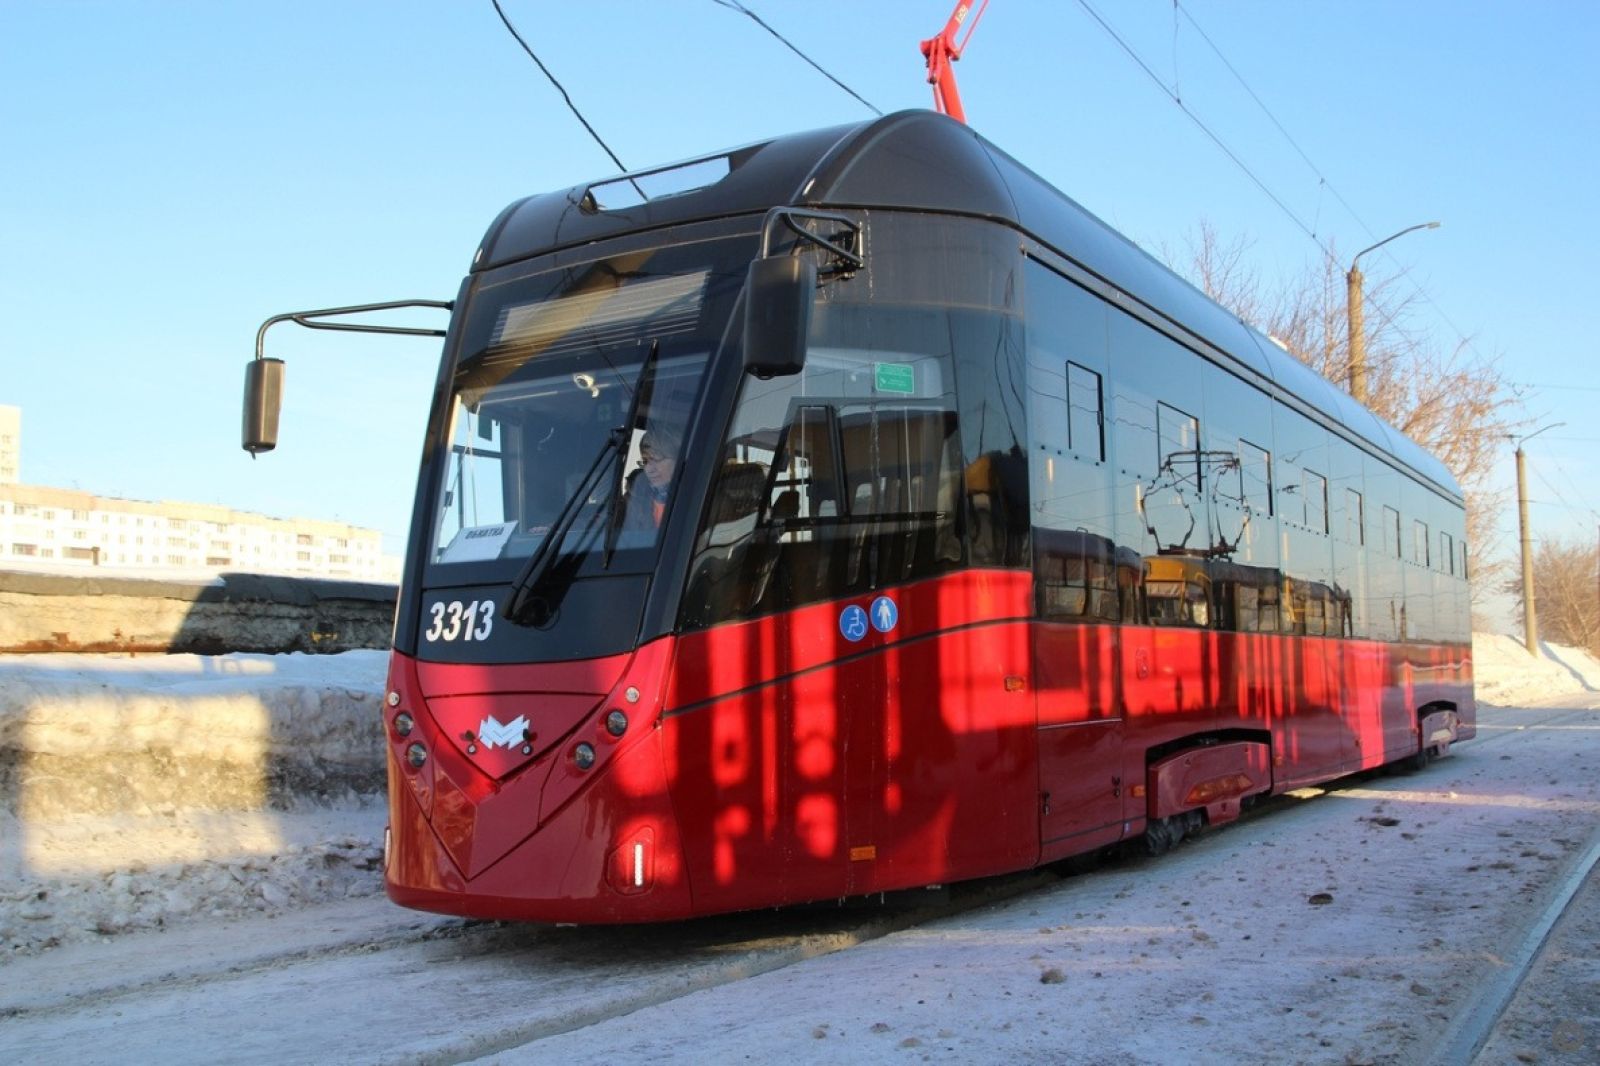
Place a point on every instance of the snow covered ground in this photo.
(1507, 676)
(1352, 928)
(137, 791)
(151, 862)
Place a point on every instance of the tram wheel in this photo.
(1160, 836)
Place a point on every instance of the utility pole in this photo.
(1353, 312)
(1530, 618)
(1530, 615)
(1358, 333)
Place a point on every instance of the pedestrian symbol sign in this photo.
(885, 614)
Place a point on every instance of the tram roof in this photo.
(921, 161)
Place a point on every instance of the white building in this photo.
(64, 530)
(10, 445)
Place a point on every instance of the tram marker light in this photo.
(403, 724)
(583, 756)
(616, 723)
(416, 755)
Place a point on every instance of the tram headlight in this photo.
(583, 756)
(616, 723)
(416, 755)
(403, 724)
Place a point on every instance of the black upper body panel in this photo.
(921, 161)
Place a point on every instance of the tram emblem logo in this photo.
(491, 734)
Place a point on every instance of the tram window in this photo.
(1419, 542)
(1355, 517)
(1227, 482)
(1179, 435)
(1315, 488)
(1447, 553)
(1133, 421)
(1177, 592)
(1077, 575)
(1463, 570)
(1391, 532)
(1255, 469)
(1085, 412)
(1316, 616)
(837, 480)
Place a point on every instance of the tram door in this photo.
(1080, 727)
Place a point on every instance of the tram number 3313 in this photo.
(455, 620)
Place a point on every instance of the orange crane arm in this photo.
(943, 50)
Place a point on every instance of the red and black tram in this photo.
(854, 512)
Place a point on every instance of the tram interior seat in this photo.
(715, 580)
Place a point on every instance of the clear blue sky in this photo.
(173, 173)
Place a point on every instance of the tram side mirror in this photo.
(777, 315)
(263, 397)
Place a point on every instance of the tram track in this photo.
(1475, 1023)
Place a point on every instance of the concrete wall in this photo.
(233, 612)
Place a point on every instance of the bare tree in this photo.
(1566, 591)
(1455, 404)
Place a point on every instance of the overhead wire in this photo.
(559, 87)
(1323, 182)
(734, 5)
(1217, 140)
(1565, 503)
(1386, 316)
(1265, 110)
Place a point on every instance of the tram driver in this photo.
(648, 485)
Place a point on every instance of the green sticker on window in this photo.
(895, 377)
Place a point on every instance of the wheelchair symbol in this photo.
(853, 623)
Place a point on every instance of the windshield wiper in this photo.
(523, 596)
(614, 516)
(542, 561)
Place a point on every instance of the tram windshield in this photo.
(570, 405)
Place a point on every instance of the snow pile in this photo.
(136, 792)
(99, 734)
(140, 790)
(299, 857)
(1506, 675)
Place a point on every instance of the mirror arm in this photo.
(788, 216)
(309, 319)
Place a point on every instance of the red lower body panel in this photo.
(805, 756)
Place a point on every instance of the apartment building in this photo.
(10, 444)
(64, 530)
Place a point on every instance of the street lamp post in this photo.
(1530, 615)
(1353, 309)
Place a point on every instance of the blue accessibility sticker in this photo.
(885, 614)
(853, 623)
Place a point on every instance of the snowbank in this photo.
(140, 790)
(102, 758)
(103, 734)
(1507, 676)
